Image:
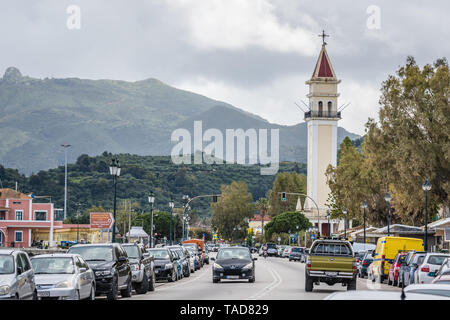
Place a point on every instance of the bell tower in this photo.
(322, 123)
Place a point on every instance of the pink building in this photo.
(20, 217)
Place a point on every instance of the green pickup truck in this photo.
(331, 262)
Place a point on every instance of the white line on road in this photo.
(184, 282)
(277, 281)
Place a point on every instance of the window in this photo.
(330, 105)
(18, 236)
(25, 262)
(320, 108)
(19, 214)
(40, 215)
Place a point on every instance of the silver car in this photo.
(16, 275)
(63, 277)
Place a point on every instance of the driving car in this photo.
(111, 267)
(296, 254)
(233, 264)
(183, 260)
(271, 249)
(438, 291)
(142, 268)
(17, 280)
(63, 277)
(426, 271)
(165, 264)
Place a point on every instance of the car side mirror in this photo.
(82, 270)
(19, 270)
(213, 259)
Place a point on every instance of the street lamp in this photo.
(345, 222)
(171, 205)
(298, 238)
(426, 187)
(329, 226)
(114, 170)
(364, 205)
(65, 146)
(151, 200)
(185, 214)
(388, 199)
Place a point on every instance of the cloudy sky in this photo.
(254, 54)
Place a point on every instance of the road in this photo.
(276, 278)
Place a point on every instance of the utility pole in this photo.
(65, 146)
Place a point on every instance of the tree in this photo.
(262, 205)
(287, 221)
(285, 182)
(232, 210)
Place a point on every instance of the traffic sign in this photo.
(102, 220)
(312, 236)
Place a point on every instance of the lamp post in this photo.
(426, 187)
(65, 146)
(329, 226)
(345, 222)
(185, 215)
(298, 238)
(388, 199)
(114, 170)
(364, 205)
(171, 205)
(151, 200)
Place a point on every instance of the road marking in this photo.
(275, 283)
(183, 283)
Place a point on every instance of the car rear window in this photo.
(436, 260)
(297, 249)
(332, 249)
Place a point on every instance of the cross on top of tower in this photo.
(323, 35)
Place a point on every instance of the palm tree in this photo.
(262, 205)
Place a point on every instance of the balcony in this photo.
(323, 114)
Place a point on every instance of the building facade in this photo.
(322, 125)
(21, 218)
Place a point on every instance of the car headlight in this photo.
(217, 266)
(4, 290)
(249, 266)
(103, 273)
(135, 267)
(64, 284)
(168, 266)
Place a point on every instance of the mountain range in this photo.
(38, 115)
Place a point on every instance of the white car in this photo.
(442, 291)
(382, 295)
(431, 263)
(286, 252)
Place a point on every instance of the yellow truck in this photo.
(385, 252)
(331, 262)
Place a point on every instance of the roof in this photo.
(6, 193)
(440, 223)
(399, 228)
(323, 68)
(257, 217)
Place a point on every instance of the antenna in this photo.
(344, 106)
(306, 105)
(299, 107)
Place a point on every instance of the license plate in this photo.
(331, 274)
(232, 277)
(44, 294)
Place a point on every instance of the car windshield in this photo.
(94, 253)
(234, 254)
(271, 246)
(159, 254)
(436, 260)
(6, 264)
(52, 265)
(435, 292)
(297, 250)
(132, 251)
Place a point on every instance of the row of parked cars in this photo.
(293, 253)
(89, 270)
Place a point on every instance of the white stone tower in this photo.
(322, 121)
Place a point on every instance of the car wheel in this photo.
(188, 273)
(151, 282)
(309, 284)
(142, 288)
(77, 295)
(352, 285)
(92, 295)
(112, 295)
(126, 293)
(251, 280)
(389, 282)
(216, 280)
(173, 277)
(35, 295)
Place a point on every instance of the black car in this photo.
(234, 263)
(111, 267)
(165, 264)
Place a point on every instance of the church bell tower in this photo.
(322, 124)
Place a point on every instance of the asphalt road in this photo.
(276, 278)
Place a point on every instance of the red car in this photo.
(395, 267)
